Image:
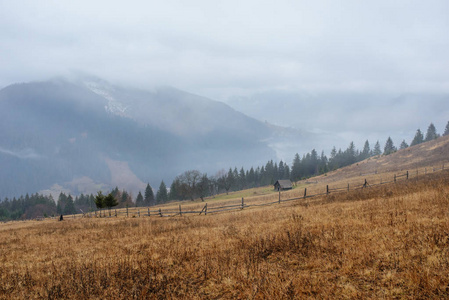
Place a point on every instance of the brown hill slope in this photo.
(429, 155)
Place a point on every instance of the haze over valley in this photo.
(105, 94)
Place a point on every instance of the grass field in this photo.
(386, 241)
(389, 241)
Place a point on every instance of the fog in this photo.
(344, 64)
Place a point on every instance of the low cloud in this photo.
(22, 154)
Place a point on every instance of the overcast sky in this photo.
(221, 49)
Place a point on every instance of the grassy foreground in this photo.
(388, 241)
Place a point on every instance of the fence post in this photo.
(407, 175)
(180, 212)
(395, 178)
(305, 193)
(138, 212)
(127, 212)
(348, 187)
(116, 213)
(205, 210)
(279, 196)
(148, 211)
(242, 203)
(327, 189)
(160, 212)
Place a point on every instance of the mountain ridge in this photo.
(55, 133)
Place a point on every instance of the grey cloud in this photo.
(216, 49)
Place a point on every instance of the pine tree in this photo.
(296, 168)
(174, 190)
(403, 145)
(139, 200)
(377, 150)
(418, 139)
(61, 203)
(69, 206)
(162, 193)
(446, 131)
(366, 152)
(149, 196)
(110, 201)
(389, 147)
(431, 133)
(99, 200)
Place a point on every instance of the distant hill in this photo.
(429, 154)
(84, 135)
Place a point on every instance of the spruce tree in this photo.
(418, 139)
(139, 200)
(431, 133)
(69, 206)
(366, 152)
(389, 147)
(99, 200)
(377, 150)
(296, 168)
(149, 196)
(403, 145)
(162, 193)
(110, 201)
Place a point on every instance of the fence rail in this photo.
(208, 209)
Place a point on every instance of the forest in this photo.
(193, 184)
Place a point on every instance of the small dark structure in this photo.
(282, 185)
(61, 218)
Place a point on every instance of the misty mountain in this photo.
(86, 135)
(338, 118)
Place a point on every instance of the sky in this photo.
(224, 49)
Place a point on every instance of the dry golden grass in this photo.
(389, 241)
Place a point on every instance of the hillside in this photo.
(388, 241)
(80, 136)
(426, 155)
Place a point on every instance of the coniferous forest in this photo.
(193, 184)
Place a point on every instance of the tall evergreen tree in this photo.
(418, 139)
(139, 200)
(162, 193)
(62, 199)
(389, 147)
(99, 200)
(149, 196)
(110, 201)
(403, 145)
(174, 193)
(431, 133)
(69, 206)
(366, 152)
(377, 150)
(295, 173)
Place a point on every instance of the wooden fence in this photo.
(211, 209)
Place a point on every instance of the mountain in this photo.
(338, 118)
(86, 134)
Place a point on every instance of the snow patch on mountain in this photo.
(114, 106)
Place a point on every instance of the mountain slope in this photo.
(63, 133)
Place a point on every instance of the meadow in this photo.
(387, 241)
